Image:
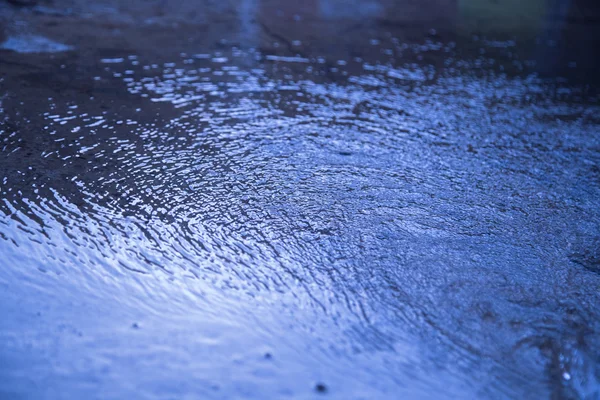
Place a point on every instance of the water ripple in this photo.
(412, 220)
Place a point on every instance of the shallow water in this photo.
(244, 224)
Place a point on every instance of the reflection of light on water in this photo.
(249, 29)
(357, 228)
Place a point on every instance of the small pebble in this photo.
(320, 387)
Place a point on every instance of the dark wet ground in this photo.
(307, 199)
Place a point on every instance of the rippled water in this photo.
(244, 225)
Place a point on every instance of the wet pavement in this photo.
(257, 199)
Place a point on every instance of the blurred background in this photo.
(555, 35)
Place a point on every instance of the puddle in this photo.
(245, 223)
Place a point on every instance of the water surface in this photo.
(396, 218)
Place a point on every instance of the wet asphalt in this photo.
(263, 199)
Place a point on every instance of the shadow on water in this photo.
(364, 200)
